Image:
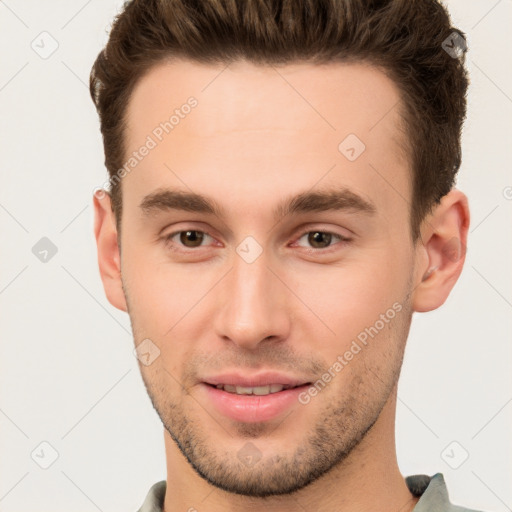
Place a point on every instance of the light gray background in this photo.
(67, 372)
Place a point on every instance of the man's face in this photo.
(245, 293)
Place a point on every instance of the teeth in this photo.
(256, 390)
(240, 390)
(263, 390)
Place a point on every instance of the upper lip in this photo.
(259, 379)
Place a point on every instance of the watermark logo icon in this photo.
(454, 45)
(249, 454)
(351, 147)
(454, 249)
(249, 249)
(45, 45)
(44, 250)
(455, 455)
(44, 455)
(146, 352)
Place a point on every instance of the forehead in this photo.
(246, 94)
(255, 124)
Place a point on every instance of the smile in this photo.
(256, 390)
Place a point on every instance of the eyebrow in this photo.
(338, 199)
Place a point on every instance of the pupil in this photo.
(187, 236)
(313, 239)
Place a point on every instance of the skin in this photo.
(251, 141)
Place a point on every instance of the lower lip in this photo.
(252, 408)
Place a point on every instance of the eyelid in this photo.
(309, 227)
(167, 238)
(342, 239)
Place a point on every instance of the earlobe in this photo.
(444, 235)
(109, 258)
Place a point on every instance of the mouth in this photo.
(252, 399)
(256, 390)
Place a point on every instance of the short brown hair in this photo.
(404, 38)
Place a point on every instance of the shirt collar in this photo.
(432, 489)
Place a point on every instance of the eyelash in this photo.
(342, 239)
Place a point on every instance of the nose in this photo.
(254, 305)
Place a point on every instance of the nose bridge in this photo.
(253, 304)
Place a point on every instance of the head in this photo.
(281, 188)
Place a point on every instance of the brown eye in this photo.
(191, 238)
(319, 239)
(186, 239)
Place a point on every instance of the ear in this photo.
(109, 258)
(443, 251)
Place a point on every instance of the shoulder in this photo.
(154, 501)
(433, 494)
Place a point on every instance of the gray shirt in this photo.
(432, 489)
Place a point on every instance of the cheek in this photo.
(160, 303)
(350, 296)
(157, 288)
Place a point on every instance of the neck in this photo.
(369, 479)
